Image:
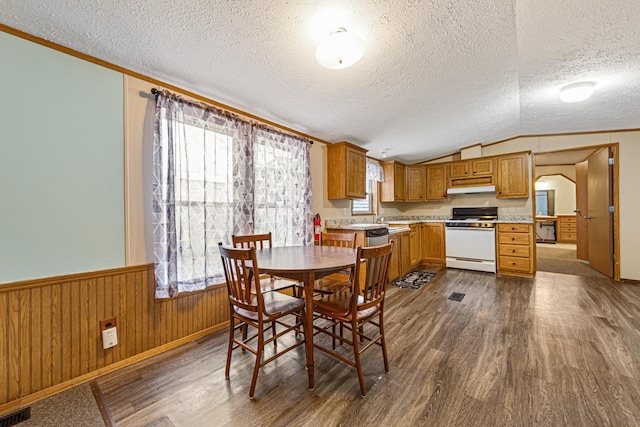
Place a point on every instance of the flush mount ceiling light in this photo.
(340, 49)
(576, 92)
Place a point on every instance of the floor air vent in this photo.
(455, 296)
(15, 418)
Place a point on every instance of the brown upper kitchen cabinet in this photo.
(394, 185)
(471, 168)
(436, 182)
(346, 171)
(513, 176)
(416, 183)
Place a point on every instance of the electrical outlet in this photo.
(108, 323)
(109, 338)
(511, 208)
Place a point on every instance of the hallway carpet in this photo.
(562, 260)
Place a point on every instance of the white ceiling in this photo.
(437, 75)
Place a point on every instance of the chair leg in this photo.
(232, 325)
(361, 334)
(333, 339)
(256, 367)
(244, 334)
(341, 332)
(356, 354)
(384, 344)
(273, 333)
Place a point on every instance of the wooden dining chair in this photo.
(260, 241)
(335, 281)
(248, 306)
(356, 307)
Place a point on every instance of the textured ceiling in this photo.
(437, 75)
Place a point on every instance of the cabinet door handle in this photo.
(513, 238)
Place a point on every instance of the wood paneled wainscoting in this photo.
(50, 328)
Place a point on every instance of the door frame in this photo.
(615, 189)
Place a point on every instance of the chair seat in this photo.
(270, 284)
(339, 304)
(330, 284)
(274, 303)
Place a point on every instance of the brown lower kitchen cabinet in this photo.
(414, 245)
(515, 249)
(433, 243)
(394, 262)
(400, 263)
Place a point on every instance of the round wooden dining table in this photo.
(305, 264)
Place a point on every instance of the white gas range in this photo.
(471, 239)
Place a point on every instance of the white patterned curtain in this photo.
(216, 175)
(282, 187)
(374, 171)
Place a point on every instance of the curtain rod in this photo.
(155, 92)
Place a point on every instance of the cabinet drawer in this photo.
(514, 228)
(513, 238)
(514, 250)
(513, 263)
(568, 237)
(568, 220)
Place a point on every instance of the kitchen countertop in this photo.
(344, 224)
(398, 230)
(407, 221)
(360, 226)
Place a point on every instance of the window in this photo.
(204, 189)
(216, 175)
(365, 206)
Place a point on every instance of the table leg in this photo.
(308, 325)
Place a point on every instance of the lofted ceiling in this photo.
(564, 157)
(436, 75)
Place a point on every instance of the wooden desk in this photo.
(305, 264)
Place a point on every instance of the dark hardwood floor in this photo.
(555, 350)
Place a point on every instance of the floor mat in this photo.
(413, 280)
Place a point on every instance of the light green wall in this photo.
(61, 163)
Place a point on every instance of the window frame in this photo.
(373, 204)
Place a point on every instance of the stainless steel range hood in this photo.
(472, 190)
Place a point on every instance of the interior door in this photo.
(582, 224)
(599, 198)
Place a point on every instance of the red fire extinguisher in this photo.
(317, 229)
